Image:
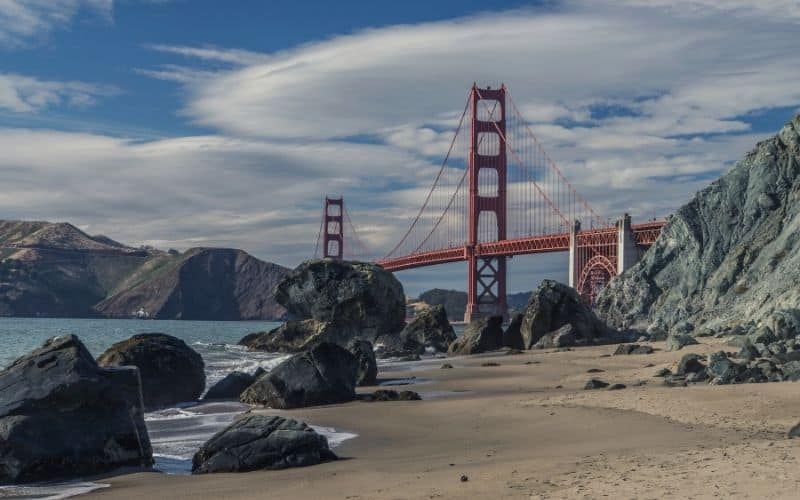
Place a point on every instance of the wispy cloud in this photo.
(25, 94)
(24, 20)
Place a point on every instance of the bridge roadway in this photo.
(645, 234)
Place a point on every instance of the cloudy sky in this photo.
(181, 123)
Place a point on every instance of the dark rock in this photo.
(554, 305)
(794, 432)
(791, 371)
(762, 335)
(446, 366)
(364, 297)
(785, 323)
(690, 363)
(231, 386)
(676, 342)
(616, 387)
(326, 374)
(749, 352)
(563, 337)
(663, 372)
(464, 478)
(595, 383)
(675, 381)
(594, 370)
(633, 349)
(171, 371)
(367, 365)
(695, 377)
(490, 363)
(61, 415)
(389, 395)
(722, 370)
(482, 335)
(512, 337)
(728, 256)
(431, 329)
(297, 336)
(258, 442)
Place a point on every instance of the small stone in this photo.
(490, 363)
(595, 383)
(616, 387)
(794, 432)
(594, 370)
(446, 366)
(664, 372)
(464, 478)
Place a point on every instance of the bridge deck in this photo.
(645, 235)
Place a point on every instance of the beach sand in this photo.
(527, 429)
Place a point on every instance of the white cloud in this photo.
(25, 94)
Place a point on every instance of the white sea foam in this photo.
(50, 491)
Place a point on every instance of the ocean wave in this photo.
(50, 491)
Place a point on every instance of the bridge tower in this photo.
(333, 230)
(486, 287)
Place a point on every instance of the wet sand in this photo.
(514, 433)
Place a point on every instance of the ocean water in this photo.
(175, 433)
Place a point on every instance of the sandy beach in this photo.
(528, 429)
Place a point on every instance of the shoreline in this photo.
(515, 434)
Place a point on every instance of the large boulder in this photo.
(232, 385)
(677, 341)
(258, 442)
(171, 371)
(563, 337)
(431, 329)
(325, 374)
(361, 296)
(554, 305)
(61, 415)
(482, 335)
(367, 364)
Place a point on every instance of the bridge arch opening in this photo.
(595, 275)
(487, 226)
(488, 110)
(488, 144)
(488, 182)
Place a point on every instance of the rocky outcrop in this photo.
(232, 385)
(429, 329)
(367, 364)
(362, 296)
(334, 301)
(678, 341)
(554, 305)
(258, 442)
(728, 258)
(482, 335)
(171, 371)
(201, 284)
(61, 415)
(325, 374)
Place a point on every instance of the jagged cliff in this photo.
(731, 256)
(57, 270)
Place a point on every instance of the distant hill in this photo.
(57, 270)
(455, 302)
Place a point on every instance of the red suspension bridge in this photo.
(498, 194)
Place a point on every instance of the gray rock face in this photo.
(633, 349)
(171, 371)
(482, 335)
(729, 256)
(61, 415)
(690, 363)
(361, 296)
(258, 442)
(326, 374)
(554, 305)
(430, 328)
(367, 364)
(297, 336)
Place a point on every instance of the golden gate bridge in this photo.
(498, 194)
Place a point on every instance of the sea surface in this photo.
(175, 433)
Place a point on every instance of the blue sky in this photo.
(183, 123)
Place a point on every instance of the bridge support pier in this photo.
(627, 252)
(574, 265)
